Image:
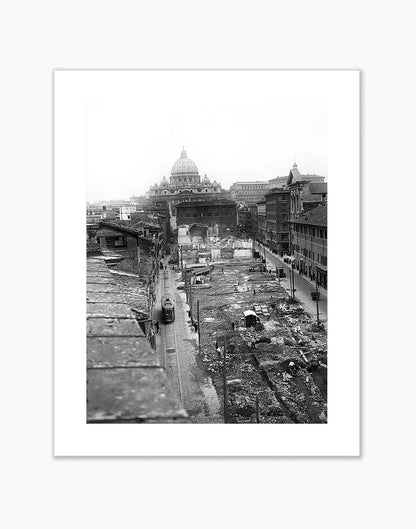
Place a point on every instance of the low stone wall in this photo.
(125, 382)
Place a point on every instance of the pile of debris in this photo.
(276, 367)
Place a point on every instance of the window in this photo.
(119, 241)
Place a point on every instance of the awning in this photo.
(200, 271)
(249, 313)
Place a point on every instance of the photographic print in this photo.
(207, 241)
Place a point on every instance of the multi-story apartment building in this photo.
(248, 193)
(309, 244)
(277, 220)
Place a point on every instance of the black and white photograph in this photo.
(202, 294)
(207, 257)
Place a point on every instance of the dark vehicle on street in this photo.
(168, 309)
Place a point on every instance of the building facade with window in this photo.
(307, 191)
(248, 193)
(137, 248)
(218, 215)
(277, 220)
(261, 222)
(310, 244)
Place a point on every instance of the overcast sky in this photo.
(135, 133)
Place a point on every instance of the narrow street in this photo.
(177, 349)
(303, 286)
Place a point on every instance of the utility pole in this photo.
(190, 297)
(199, 327)
(292, 271)
(224, 378)
(317, 297)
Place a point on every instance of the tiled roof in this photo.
(315, 217)
(118, 227)
(123, 229)
(145, 224)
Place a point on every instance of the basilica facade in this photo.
(184, 185)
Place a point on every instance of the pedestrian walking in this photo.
(253, 344)
(157, 326)
(216, 344)
(254, 291)
(232, 325)
(152, 338)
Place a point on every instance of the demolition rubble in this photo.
(275, 354)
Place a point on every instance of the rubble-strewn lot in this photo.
(259, 358)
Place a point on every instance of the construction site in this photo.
(266, 354)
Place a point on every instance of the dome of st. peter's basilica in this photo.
(184, 166)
